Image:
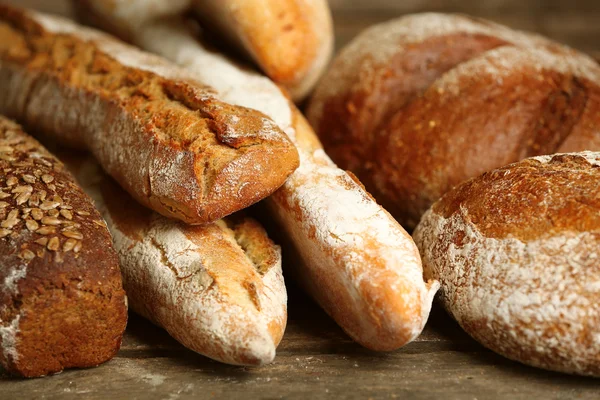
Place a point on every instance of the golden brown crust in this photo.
(515, 250)
(416, 118)
(62, 303)
(165, 138)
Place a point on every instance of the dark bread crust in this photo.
(62, 304)
(164, 137)
(451, 104)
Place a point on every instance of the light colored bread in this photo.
(416, 105)
(356, 261)
(516, 252)
(172, 143)
(217, 288)
(62, 303)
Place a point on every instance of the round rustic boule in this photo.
(517, 252)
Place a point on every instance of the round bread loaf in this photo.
(517, 253)
(419, 104)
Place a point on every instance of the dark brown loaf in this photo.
(516, 252)
(167, 139)
(419, 104)
(62, 304)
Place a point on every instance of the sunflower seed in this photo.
(29, 178)
(43, 195)
(67, 214)
(50, 221)
(6, 149)
(11, 181)
(27, 254)
(32, 225)
(48, 205)
(23, 197)
(4, 232)
(37, 214)
(72, 234)
(47, 178)
(53, 213)
(11, 220)
(6, 157)
(41, 252)
(3, 195)
(46, 230)
(3, 204)
(77, 247)
(42, 241)
(22, 189)
(53, 244)
(69, 245)
(82, 213)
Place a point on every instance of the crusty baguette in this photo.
(359, 263)
(166, 138)
(290, 40)
(416, 105)
(217, 288)
(62, 303)
(516, 251)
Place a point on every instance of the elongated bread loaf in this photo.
(62, 303)
(357, 261)
(217, 288)
(290, 40)
(516, 251)
(169, 140)
(416, 105)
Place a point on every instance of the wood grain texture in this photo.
(316, 359)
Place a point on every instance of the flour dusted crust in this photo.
(411, 105)
(357, 261)
(62, 303)
(523, 280)
(165, 137)
(218, 288)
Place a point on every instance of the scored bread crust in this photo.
(166, 138)
(356, 261)
(218, 288)
(413, 105)
(516, 252)
(62, 303)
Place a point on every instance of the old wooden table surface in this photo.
(316, 359)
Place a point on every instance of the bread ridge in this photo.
(218, 288)
(198, 158)
(62, 303)
(371, 285)
(529, 298)
(372, 107)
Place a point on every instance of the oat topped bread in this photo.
(62, 304)
(168, 139)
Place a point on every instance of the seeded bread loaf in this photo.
(217, 288)
(62, 303)
(166, 138)
(290, 40)
(419, 104)
(355, 259)
(516, 252)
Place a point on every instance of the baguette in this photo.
(218, 288)
(516, 250)
(62, 303)
(290, 40)
(356, 260)
(166, 138)
(416, 105)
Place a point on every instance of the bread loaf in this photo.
(516, 252)
(419, 104)
(166, 138)
(290, 40)
(217, 288)
(356, 261)
(62, 303)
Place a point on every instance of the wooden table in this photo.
(316, 359)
